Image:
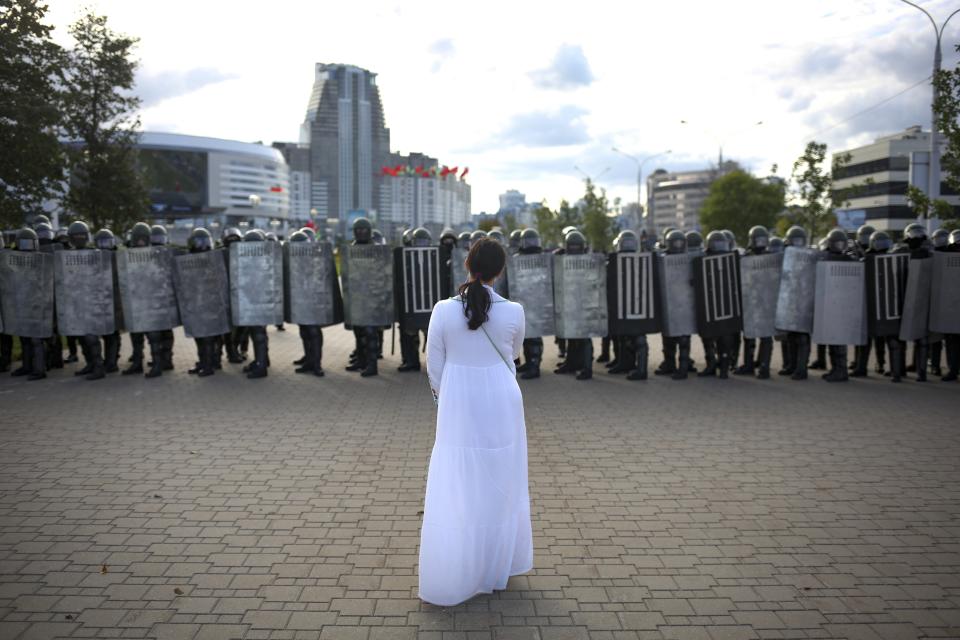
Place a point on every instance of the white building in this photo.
(419, 195)
(877, 176)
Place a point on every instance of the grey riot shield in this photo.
(203, 294)
(256, 283)
(945, 293)
(760, 286)
(531, 285)
(118, 323)
(310, 284)
(458, 272)
(716, 283)
(677, 301)
(632, 294)
(502, 284)
(26, 285)
(147, 293)
(916, 299)
(367, 276)
(798, 282)
(840, 303)
(83, 285)
(580, 295)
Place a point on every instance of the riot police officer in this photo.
(532, 347)
(409, 336)
(862, 245)
(164, 339)
(776, 244)
(139, 237)
(952, 340)
(258, 334)
(797, 343)
(201, 241)
(104, 240)
(939, 240)
(48, 244)
(633, 351)
(237, 336)
(718, 352)
(368, 338)
(579, 350)
(90, 346)
(514, 241)
(757, 244)
(311, 335)
(694, 242)
(878, 242)
(33, 350)
(837, 251)
(915, 241)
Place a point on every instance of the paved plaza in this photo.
(289, 507)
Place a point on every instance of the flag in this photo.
(466, 170)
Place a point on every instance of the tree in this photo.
(598, 227)
(925, 208)
(550, 224)
(738, 201)
(31, 162)
(946, 110)
(100, 121)
(813, 189)
(488, 224)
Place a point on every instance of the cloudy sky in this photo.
(524, 92)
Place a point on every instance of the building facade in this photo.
(675, 198)
(418, 193)
(348, 142)
(297, 157)
(873, 183)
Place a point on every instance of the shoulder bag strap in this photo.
(494, 345)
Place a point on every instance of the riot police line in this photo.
(869, 294)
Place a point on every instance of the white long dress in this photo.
(476, 522)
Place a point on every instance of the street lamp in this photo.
(720, 142)
(586, 176)
(934, 178)
(640, 162)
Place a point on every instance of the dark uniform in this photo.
(104, 240)
(757, 361)
(532, 347)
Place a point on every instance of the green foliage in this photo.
(31, 163)
(738, 201)
(946, 110)
(598, 227)
(488, 224)
(106, 187)
(509, 223)
(813, 189)
(549, 223)
(925, 208)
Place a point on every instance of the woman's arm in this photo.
(519, 333)
(436, 353)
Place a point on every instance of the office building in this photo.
(675, 197)
(297, 157)
(420, 192)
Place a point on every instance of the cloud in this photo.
(559, 127)
(441, 50)
(155, 88)
(568, 70)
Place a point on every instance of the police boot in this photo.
(38, 356)
(604, 349)
(724, 357)
(586, 350)
(208, 357)
(26, 358)
(626, 358)
(412, 362)
(861, 357)
(198, 365)
(372, 348)
(838, 364)
(379, 344)
(136, 358)
(96, 357)
(54, 349)
(533, 360)
(747, 369)
(802, 354)
(316, 352)
(734, 351)
(710, 355)
(155, 339)
(167, 341)
(764, 353)
(217, 352)
(920, 352)
(230, 345)
(642, 350)
(936, 349)
(895, 348)
(111, 353)
(526, 357)
(261, 355)
(561, 347)
(953, 358)
(669, 364)
(788, 355)
(304, 340)
(6, 352)
(570, 365)
(72, 349)
(821, 361)
(87, 358)
(880, 347)
(683, 365)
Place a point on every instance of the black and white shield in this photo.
(531, 285)
(840, 304)
(256, 284)
(367, 277)
(916, 299)
(716, 280)
(798, 284)
(580, 295)
(26, 293)
(677, 299)
(759, 287)
(886, 285)
(83, 285)
(632, 306)
(945, 293)
(420, 284)
(203, 294)
(312, 291)
(147, 292)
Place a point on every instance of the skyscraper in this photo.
(348, 140)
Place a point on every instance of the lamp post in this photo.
(934, 170)
(586, 176)
(640, 162)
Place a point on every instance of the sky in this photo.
(535, 95)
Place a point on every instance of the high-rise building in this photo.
(348, 140)
(874, 182)
(298, 160)
(675, 198)
(420, 194)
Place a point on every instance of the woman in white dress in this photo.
(476, 522)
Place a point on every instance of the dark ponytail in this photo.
(484, 263)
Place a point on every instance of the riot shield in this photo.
(26, 293)
(83, 286)
(367, 276)
(531, 285)
(716, 281)
(311, 289)
(838, 315)
(677, 306)
(502, 284)
(759, 287)
(886, 282)
(421, 284)
(798, 282)
(147, 293)
(632, 294)
(945, 293)
(118, 323)
(458, 272)
(580, 295)
(916, 299)
(256, 284)
(203, 294)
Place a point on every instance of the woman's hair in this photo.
(484, 262)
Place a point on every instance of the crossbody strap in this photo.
(494, 345)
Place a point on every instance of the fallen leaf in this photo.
(103, 568)
(69, 616)
(157, 495)
(178, 591)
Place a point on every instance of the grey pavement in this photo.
(289, 507)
